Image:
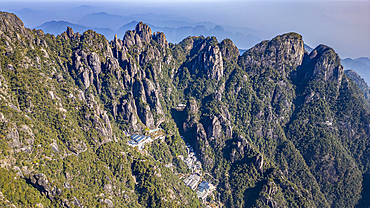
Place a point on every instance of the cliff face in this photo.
(274, 127)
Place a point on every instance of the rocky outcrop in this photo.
(142, 33)
(243, 145)
(40, 182)
(209, 62)
(160, 38)
(129, 112)
(143, 108)
(13, 135)
(283, 53)
(270, 189)
(323, 64)
(10, 22)
(259, 162)
(229, 51)
(214, 129)
(192, 118)
(108, 202)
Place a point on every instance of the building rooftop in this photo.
(204, 185)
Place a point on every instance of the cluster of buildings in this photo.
(139, 141)
(204, 188)
(192, 181)
(192, 161)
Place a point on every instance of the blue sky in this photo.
(342, 25)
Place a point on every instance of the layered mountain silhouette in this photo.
(360, 65)
(176, 28)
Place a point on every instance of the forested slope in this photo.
(274, 127)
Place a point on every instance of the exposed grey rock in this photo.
(94, 63)
(232, 156)
(81, 95)
(115, 109)
(327, 64)
(40, 182)
(70, 32)
(108, 188)
(108, 202)
(59, 78)
(76, 202)
(360, 82)
(112, 65)
(59, 192)
(10, 23)
(284, 53)
(213, 63)
(14, 107)
(18, 170)
(100, 127)
(129, 39)
(2, 118)
(192, 106)
(143, 109)
(128, 111)
(107, 124)
(28, 130)
(67, 185)
(10, 67)
(14, 136)
(152, 96)
(54, 146)
(201, 134)
(259, 162)
(214, 129)
(26, 171)
(144, 32)
(86, 78)
(160, 38)
(27, 149)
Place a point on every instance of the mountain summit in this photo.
(140, 122)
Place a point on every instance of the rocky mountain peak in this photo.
(144, 32)
(324, 64)
(160, 38)
(10, 22)
(284, 53)
(229, 50)
(70, 32)
(275, 127)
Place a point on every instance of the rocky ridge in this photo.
(276, 126)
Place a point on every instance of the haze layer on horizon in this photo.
(342, 25)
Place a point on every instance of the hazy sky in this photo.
(342, 25)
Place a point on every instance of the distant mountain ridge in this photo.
(175, 27)
(364, 87)
(58, 27)
(359, 65)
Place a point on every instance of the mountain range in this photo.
(176, 28)
(173, 34)
(275, 126)
(360, 65)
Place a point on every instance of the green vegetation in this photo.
(274, 127)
